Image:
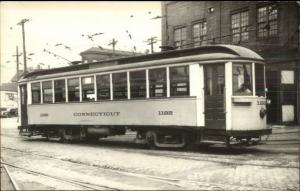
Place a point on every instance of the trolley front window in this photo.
(103, 87)
(242, 78)
(36, 92)
(73, 89)
(60, 91)
(179, 81)
(88, 92)
(138, 84)
(47, 92)
(157, 81)
(259, 80)
(119, 85)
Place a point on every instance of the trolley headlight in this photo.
(262, 112)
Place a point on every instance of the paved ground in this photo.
(118, 163)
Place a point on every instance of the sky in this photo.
(52, 23)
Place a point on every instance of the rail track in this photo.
(176, 183)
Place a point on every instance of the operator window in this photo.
(47, 92)
(259, 80)
(88, 92)
(73, 89)
(179, 81)
(158, 82)
(59, 91)
(119, 81)
(242, 78)
(138, 84)
(36, 93)
(103, 87)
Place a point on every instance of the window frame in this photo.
(101, 88)
(200, 39)
(89, 84)
(234, 93)
(242, 29)
(173, 92)
(182, 40)
(266, 32)
(43, 93)
(137, 85)
(68, 85)
(37, 90)
(63, 91)
(121, 86)
(164, 87)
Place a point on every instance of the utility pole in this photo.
(22, 22)
(17, 62)
(151, 41)
(113, 43)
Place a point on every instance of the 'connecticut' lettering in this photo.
(97, 114)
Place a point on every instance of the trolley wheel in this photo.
(228, 142)
(150, 139)
(82, 134)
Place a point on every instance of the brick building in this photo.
(269, 28)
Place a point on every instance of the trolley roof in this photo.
(210, 53)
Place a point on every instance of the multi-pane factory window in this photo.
(138, 84)
(239, 26)
(199, 34)
(267, 21)
(59, 90)
(179, 81)
(88, 92)
(180, 37)
(119, 85)
(36, 92)
(158, 82)
(47, 92)
(73, 89)
(103, 87)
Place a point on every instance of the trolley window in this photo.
(47, 92)
(242, 79)
(60, 91)
(157, 82)
(87, 85)
(119, 85)
(138, 84)
(73, 89)
(259, 80)
(103, 87)
(179, 81)
(36, 92)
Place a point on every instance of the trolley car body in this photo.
(211, 93)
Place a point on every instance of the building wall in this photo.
(281, 51)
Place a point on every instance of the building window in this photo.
(242, 79)
(239, 26)
(60, 90)
(119, 85)
(47, 92)
(287, 77)
(179, 81)
(138, 84)
(158, 82)
(35, 92)
(87, 86)
(199, 34)
(180, 37)
(259, 80)
(103, 87)
(73, 89)
(267, 21)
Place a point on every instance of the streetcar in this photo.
(212, 94)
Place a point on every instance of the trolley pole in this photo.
(22, 22)
(113, 43)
